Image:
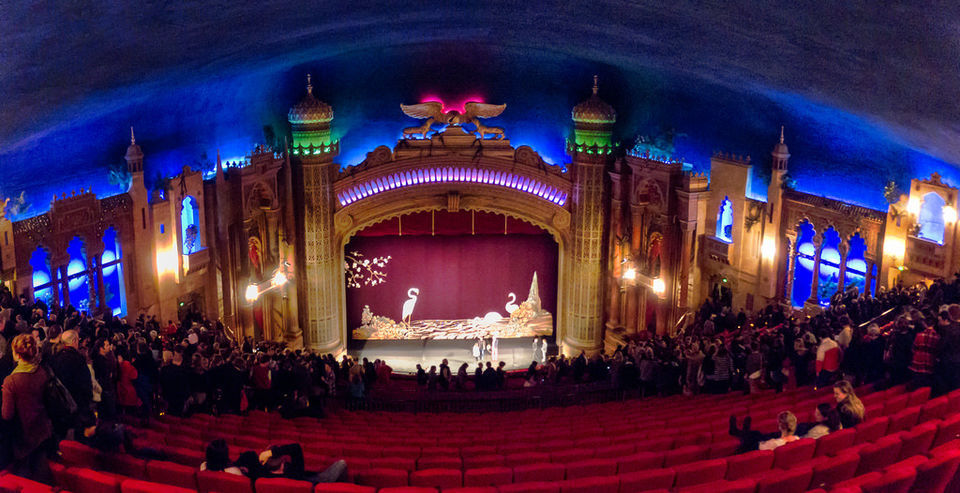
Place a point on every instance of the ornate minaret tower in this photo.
(312, 152)
(144, 260)
(772, 249)
(592, 151)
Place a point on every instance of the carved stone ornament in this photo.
(433, 112)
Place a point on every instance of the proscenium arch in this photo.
(349, 220)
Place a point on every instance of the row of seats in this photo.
(885, 451)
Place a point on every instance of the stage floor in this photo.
(403, 356)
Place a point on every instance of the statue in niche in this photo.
(434, 113)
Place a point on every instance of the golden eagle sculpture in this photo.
(433, 112)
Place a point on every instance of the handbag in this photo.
(60, 406)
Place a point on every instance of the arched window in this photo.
(113, 287)
(829, 266)
(190, 225)
(725, 220)
(931, 217)
(803, 270)
(42, 286)
(78, 279)
(856, 274)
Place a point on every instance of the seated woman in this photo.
(284, 461)
(787, 423)
(849, 406)
(828, 421)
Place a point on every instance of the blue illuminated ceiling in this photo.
(867, 93)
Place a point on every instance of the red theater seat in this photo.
(743, 465)
(639, 461)
(405, 463)
(894, 481)
(89, 481)
(700, 472)
(408, 489)
(137, 486)
(216, 481)
(918, 397)
(791, 454)
(282, 485)
(904, 420)
(126, 465)
(570, 456)
(531, 487)
(934, 409)
(918, 440)
(723, 486)
(437, 478)
(472, 489)
(880, 454)
(159, 471)
(526, 458)
(934, 475)
(722, 449)
(77, 454)
(383, 478)
(895, 404)
(591, 467)
(652, 479)
(487, 476)
(684, 455)
(475, 461)
(948, 430)
(790, 481)
(615, 451)
(434, 462)
(835, 470)
(835, 442)
(872, 429)
(538, 472)
(343, 488)
(591, 485)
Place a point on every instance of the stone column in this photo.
(791, 268)
(868, 278)
(584, 324)
(815, 282)
(841, 282)
(687, 230)
(66, 284)
(322, 272)
(55, 285)
(630, 313)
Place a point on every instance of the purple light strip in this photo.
(441, 175)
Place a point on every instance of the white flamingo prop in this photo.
(511, 305)
(408, 305)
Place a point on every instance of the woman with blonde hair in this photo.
(23, 392)
(849, 406)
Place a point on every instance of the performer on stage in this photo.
(476, 351)
(495, 349)
(543, 352)
(537, 349)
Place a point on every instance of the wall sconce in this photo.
(949, 214)
(252, 293)
(768, 249)
(279, 279)
(913, 206)
(894, 247)
(659, 287)
(629, 274)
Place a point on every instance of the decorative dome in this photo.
(594, 110)
(310, 109)
(133, 152)
(780, 150)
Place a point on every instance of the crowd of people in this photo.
(110, 367)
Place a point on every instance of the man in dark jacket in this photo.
(70, 366)
(175, 384)
(105, 369)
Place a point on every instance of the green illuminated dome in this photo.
(310, 109)
(594, 110)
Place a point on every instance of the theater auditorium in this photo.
(608, 247)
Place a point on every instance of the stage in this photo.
(403, 356)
